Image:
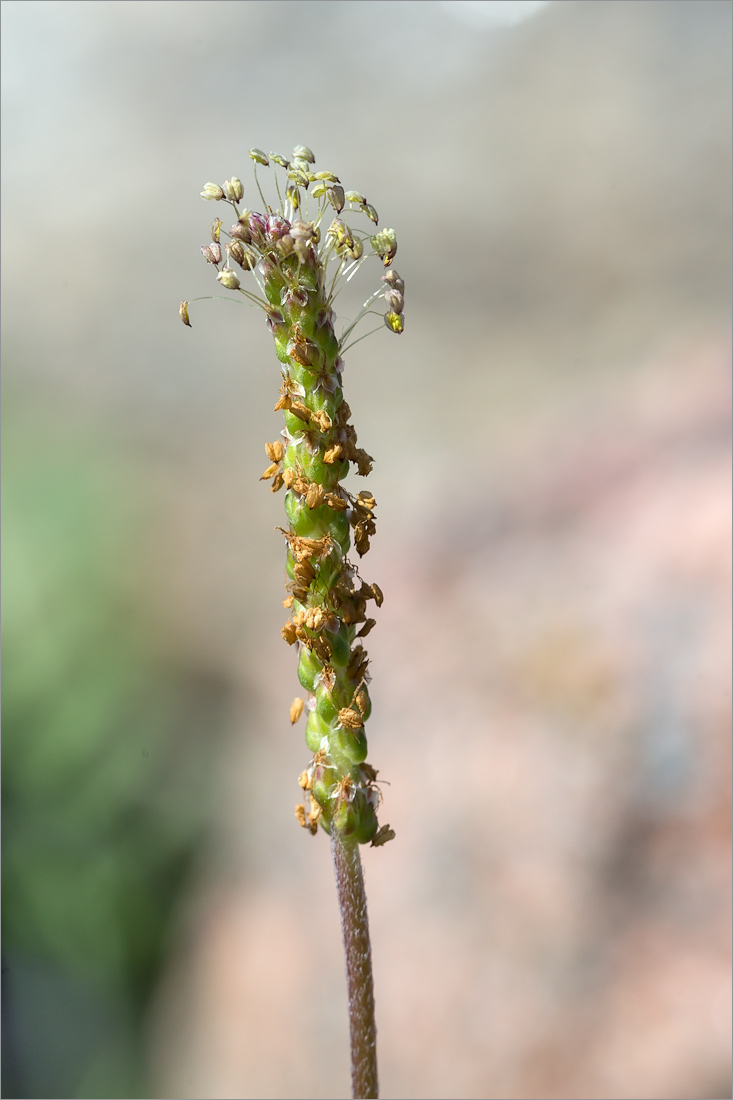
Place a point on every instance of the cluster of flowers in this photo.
(297, 269)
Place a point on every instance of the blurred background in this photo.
(551, 667)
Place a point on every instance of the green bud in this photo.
(318, 190)
(350, 743)
(215, 230)
(367, 824)
(345, 819)
(355, 196)
(309, 667)
(293, 194)
(326, 707)
(324, 782)
(259, 156)
(212, 191)
(340, 646)
(356, 817)
(327, 176)
(315, 730)
(279, 160)
(183, 313)
(371, 212)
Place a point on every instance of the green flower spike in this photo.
(297, 263)
(298, 254)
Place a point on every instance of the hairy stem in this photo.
(360, 985)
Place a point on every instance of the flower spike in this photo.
(296, 272)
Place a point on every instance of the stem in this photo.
(360, 985)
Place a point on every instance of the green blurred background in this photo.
(552, 663)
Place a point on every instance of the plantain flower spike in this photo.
(299, 257)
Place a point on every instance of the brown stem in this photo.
(355, 928)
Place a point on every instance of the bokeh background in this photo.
(552, 662)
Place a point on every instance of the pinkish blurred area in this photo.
(552, 712)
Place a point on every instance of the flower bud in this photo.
(240, 232)
(259, 156)
(385, 245)
(301, 230)
(212, 191)
(300, 179)
(319, 190)
(212, 253)
(355, 196)
(215, 230)
(237, 252)
(302, 249)
(355, 250)
(392, 279)
(276, 227)
(228, 279)
(293, 195)
(297, 164)
(394, 300)
(336, 197)
(296, 296)
(393, 321)
(327, 176)
(286, 245)
(279, 160)
(275, 322)
(234, 189)
(304, 152)
(370, 212)
(257, 227)
(183, 313)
